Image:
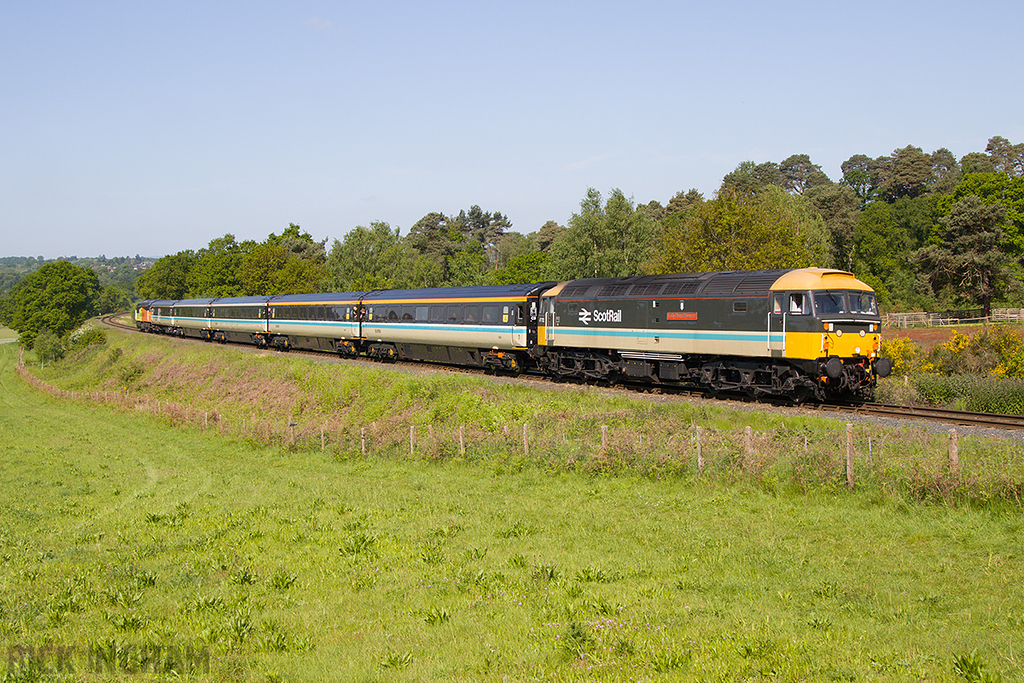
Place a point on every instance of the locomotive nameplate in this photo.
(688, 315)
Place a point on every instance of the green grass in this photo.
(120, 531)
(7, 333)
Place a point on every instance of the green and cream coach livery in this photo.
(807, 333)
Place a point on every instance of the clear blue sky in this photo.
(151, 127)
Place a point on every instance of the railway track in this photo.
(958, 418)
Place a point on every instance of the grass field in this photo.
(7, 333)
(128, 544)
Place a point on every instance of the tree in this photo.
(837, 205)
(994, 188)
(112, 299)
(485, 228)
(521, 269)
(799, 174)
(908, 173)
(746, 232)
(58, 297)
(683, 201)
(368, 258)
(48, 346)
(547, 235)
(612, 239)
(217, 268)
(168, 278)
(751, 178)
(863, 175)
(968, 262)
(1006, 157)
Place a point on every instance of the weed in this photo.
(243, 576)
(282, 580)
(593, 575)
(360, 544)
(576, 639)
(436, 615)
(396, 660)
(517, 529)
(971, 668)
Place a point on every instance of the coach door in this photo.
(531, 320)
(546, 324)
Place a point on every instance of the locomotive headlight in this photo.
(862, 333)
(839, 333)
(856, 351)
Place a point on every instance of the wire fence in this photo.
(916, 461)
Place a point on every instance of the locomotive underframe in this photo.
(796, 380)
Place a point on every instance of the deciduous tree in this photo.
(58, 297)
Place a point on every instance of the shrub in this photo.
(903, 354)
(87, 335)
(48, 346)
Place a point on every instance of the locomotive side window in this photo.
(739, 306)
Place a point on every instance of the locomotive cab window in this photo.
(829, 303)
(797, 303)
(863, 302)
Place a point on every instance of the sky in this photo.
(131, 127)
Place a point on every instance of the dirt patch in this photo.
(930, 337)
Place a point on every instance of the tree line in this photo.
(926, 230)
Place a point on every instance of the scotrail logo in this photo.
(608, 316)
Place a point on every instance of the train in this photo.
(802, 334)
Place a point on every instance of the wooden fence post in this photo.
(700, 454)
(412, 440)
(362, 439)
(954, 452)
(462, 441)
(526, 442)
(604, 438)
(849, 455)
(748, 446)
(323, 443)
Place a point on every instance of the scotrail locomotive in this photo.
(804, 334)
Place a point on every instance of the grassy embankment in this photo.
(120, 530)
(7, 334)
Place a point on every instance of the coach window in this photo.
(491, 314)
(394, 312)
(422, 314)
(471, 314)
(455, 314)
(437, 314)
(408, 312)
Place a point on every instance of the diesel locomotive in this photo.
(802, 334)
